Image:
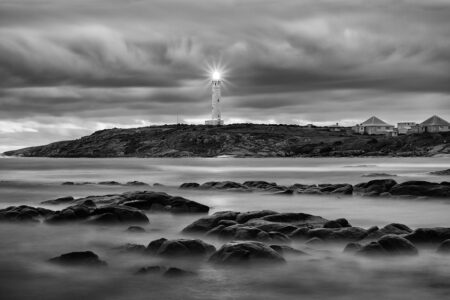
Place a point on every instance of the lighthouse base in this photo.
(214, 122)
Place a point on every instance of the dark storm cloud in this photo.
(115, 61)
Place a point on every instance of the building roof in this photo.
(435, 120)
(374, 121)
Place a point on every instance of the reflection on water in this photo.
(24, 249)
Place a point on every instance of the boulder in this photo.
(246, 216)
(352, 248)
(57, 201)
(315, 241)
(179, 248)
(371, 249)
(135, 229)
(345, 234)
(137, 248)
(421, 188)
(444, 247)
(388, 245)
(245, 252)
(189, 185)
(108, 183)
(84, 258)
(393, 228)
(136, 183)
(374, 187)
(287, 250)
(300, 233)
(122, 213)
(72, 213)
(149, 270)
(297, 219)
(259, 185)
(434, 235)
(24, 213)
(205, 224)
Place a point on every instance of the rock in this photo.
(441, 172)
(260, 185)
(393, 228)
(345, 234)
(189, 185)
(389, 245)
(397, 245)
(343, 222)
(135, 229)
(136, 183)
(222, 185)
(245, 252)
(149, 270)
(72, 213)
(444, 247)
(68, 183)
(180, 247)
(297, 219)
(379, 175)
(352, 248)
(434, 235)
(372, 229)
(85, 258)
(300, 233)
(108, 183)
(346, 189)
(176, 272)
(62, 200)
(374, 187)
(421, 188)
(207, 223)
(371, 249)
(286, 250)
(246, 216)
(332, 224)
(315, 241)
(24, 213)
(227, 223)
(122, 213)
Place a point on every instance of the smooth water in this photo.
(24, 248)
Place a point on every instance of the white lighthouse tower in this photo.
(216, 118)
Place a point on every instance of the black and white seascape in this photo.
(224, 149)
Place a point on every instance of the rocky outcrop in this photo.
(241, 140)
(85, 258)
(24, 213)
(245, 252)
(373, 188)
(179, 248)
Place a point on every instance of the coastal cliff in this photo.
(239, 140)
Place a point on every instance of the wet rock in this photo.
(300, 233)
(352, 248)
(379, 175)
(108, 183)
(389, 245)
(177, 272)
(393, 228)
(72, 213)
(345, 234)
(246, 216)
(374, 187)
(150, 270)
(434, 235)
(259, 185)
(136, 183)
(135, 229)
(222, 185)
(444, 247)
(189, 185)
(315, 241)
(62, 200)
(227, 223)
(397, 245)
(332, 224)
(346, 189)
(441, 172)
(297, 219)
(122, 213)
(85, 258)
(245, 252)
(421, 188)
(68, 183)
(205, 224)
(24, 213)
(287, 250)
(180, 247)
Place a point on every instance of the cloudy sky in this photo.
(68, 67)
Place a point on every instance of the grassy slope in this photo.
(239, 140)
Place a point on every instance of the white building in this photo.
(216, 118)
(375, 126)
(434, 124)
(406, 127)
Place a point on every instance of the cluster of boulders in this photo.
(111, 182)
(128, 207)
(145, 200)
(379, 187)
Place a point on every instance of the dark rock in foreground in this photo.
(85, 258)
(179, 248)
(246, 252)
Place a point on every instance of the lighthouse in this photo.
(216, 118)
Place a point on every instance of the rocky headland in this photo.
(240, 140)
